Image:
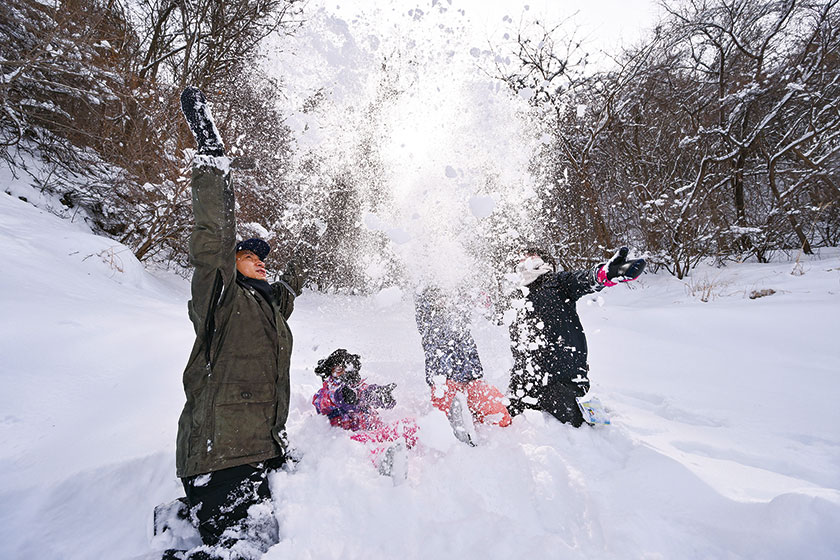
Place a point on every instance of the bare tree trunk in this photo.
(771, 177)
(826, 181)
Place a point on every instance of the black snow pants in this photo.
(220, 501)
(558, 399)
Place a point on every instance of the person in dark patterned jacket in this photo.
(451, 358)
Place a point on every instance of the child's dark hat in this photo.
(340, 357)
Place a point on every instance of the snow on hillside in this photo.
(724, 442)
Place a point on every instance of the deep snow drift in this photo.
(724, 442)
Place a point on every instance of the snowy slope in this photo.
(724, 443)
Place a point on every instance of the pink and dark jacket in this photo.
(360, 415)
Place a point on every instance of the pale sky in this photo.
(604, 24)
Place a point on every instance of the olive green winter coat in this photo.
(237, 378)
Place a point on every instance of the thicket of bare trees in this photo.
(716, 138)
(90, 88)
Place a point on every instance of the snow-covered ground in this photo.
(725, 441)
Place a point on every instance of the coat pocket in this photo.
(244, 416)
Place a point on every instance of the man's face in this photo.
(249, 265)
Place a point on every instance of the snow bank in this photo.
(723, 441)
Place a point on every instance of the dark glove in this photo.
(197, 113)
(619, 269)
(311, 233)
(348, 395)
(290, 457)
(314, 230)
(381, 396)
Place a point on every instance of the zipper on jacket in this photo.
(210, 321)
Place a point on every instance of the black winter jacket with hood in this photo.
(547, 338)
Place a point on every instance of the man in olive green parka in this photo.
(232, 428)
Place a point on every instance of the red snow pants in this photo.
(379, 438)
(484, 401)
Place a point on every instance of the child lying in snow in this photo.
(350, 403)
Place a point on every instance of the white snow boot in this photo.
(460, 418)
(394, 463)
